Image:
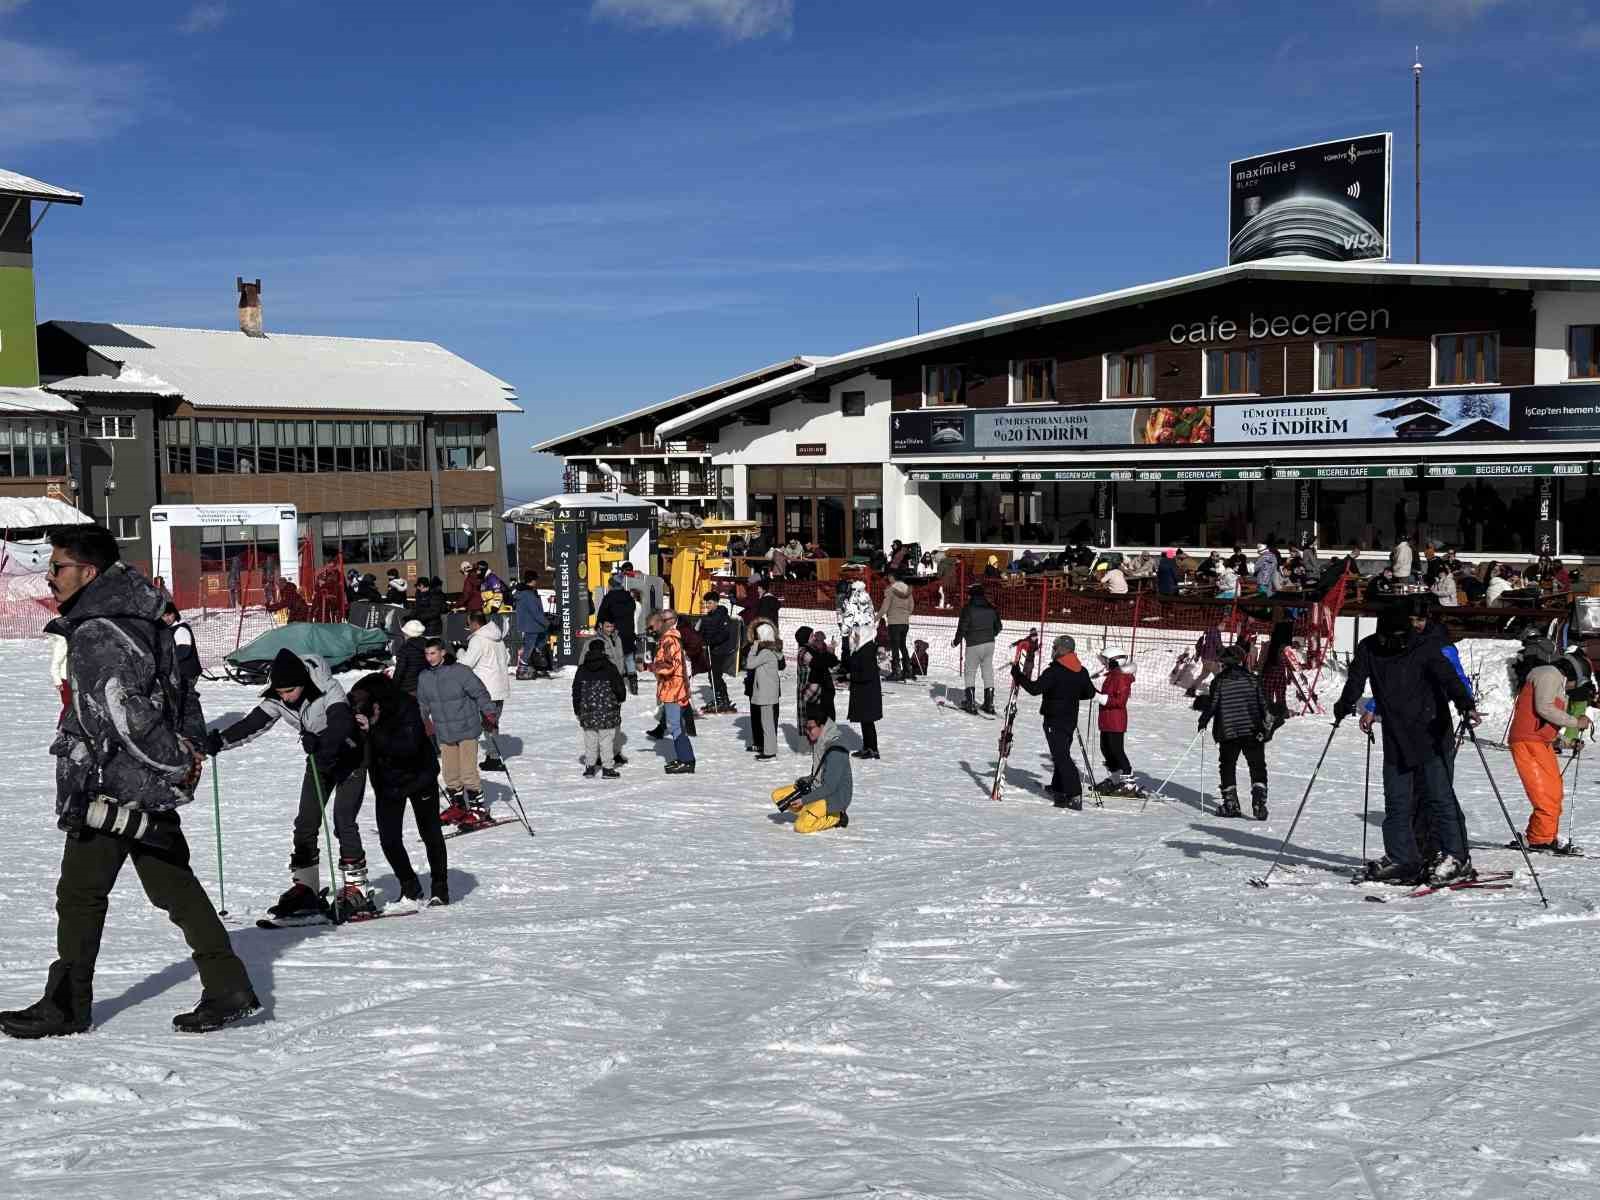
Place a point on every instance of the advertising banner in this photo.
(1051, 428)
(1423, 417)
(1561, 414)
(1328, 201)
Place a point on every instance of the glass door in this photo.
(830, 526)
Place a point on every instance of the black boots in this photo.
(213, 1012)
(633, 685)
(1258, 801)
(988, 701)
(1230, 803)
(969, 705)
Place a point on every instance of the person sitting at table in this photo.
(1238, 561)
(1384, 584)
(1444, 587)
(816, 551)
(1114, 580)
(1167, 573)
(1498, 586)
(1141, 567)
(1560, 577)
(1209, 569)
(1227, 582)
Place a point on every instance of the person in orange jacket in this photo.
(1540, 716)
(671, 668)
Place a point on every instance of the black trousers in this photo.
(869, 736)
(1255, 755)
(391, 814)
(90, 864)
(1111, 750)
(899, 655)
(1065, 778)
(721, 668)
(343, 798)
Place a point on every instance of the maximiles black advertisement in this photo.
(1528, 414)
(1327, 201)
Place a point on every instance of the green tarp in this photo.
(337, 644)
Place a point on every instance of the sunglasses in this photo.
(55, 568)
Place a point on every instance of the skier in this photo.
(898, 608)
(1540, 716)
(821, 800)
(1413, 687)
(127, 759)
(597, 696)
(457, 709)
(672, 673)
(488, 659)
(978, 626)
(1237, 704)
(404, 766)
(1064, 684)
(763, 686)
(619, 608)
(1114, 693)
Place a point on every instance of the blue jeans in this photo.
(1426, 786)
(681, 746)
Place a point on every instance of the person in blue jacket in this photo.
(533, 625)
(1167, 573)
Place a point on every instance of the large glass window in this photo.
(467, 531)
(1138, 507)
(1583, 352)
(461, 445)
(205, 448)
(1035, 381)
(353, 542)
(327, 453)
(945, 387)
(1233, 372)
(764, 512)
(868, 524)
(1462, 358)
(1342, 514)
(1345, 365)
(1130, 376)
(176, 436)
(1580, 516)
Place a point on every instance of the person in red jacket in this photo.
(471, 589)
(1114, 692)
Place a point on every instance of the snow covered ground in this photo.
(668, 993)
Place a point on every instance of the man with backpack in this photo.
(127, 758)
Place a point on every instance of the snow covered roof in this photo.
(14, 184)
(1281, 269)
(130, 382)
(224, 368)
(31, 512)
(33, 400)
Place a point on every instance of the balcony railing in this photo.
(691, 483)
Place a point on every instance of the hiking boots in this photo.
(213, 1012)
(988, 701)
(969, 704)
(1230, 803)
(40, 1020)
(610, 773)
(590, 771)
(686, 766)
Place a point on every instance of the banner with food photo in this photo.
(1174, 425)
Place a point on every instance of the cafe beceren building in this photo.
(1277, 399)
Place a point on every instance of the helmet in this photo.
(1575, 667)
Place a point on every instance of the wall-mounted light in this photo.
(1396, 360)
(1174, 369)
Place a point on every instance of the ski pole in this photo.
(522, 813)
(1506, 812)
(1366, 796)
(1203, 778)
(1310, 783)
(216, 808)
(1199, 733)
(1088, 767)
(322, 802)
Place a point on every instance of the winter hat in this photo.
(1169, 553)
(802, 635)
(413, 629)
(858, 585)
(1065, 644)
(1232, 654)
(288, 671)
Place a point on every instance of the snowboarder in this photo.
(1235, 707)
(1414, 687)
(672, 672)
(1114, 693)
(404, 766)
(978, 626)
(302, 693)
(127, 758)
(489, 660)
(457, 709)
(1540, 716)
(820, 800)
(597, 696)
(763, 686)
(1065, 685)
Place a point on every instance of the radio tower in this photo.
(1416, 124)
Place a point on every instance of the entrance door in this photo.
(830, 526)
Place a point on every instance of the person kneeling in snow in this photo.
(821, 800)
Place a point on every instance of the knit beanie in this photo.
(288, 671)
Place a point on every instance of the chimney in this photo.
(249, 307)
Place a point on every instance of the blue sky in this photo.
(611, 201)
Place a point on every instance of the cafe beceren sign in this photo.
(1258, 328)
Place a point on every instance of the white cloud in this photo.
(51, 95)
(1441, 11)
(737, 19)
(204, 17)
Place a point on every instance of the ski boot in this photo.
(1386, 870)
(591, 770)
(633, 685)
(303, 900)
(1230, 803)
(1258, 801)
(477, 811)
(213, 1012)
(456, 809)
(969, 705)
(988, 701)
(356, 898)
(492, 763)
(1451, 869)
(610, 773)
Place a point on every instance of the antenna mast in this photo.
(1416, 124)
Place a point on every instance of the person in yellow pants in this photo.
(1540, 716)
(820, 800)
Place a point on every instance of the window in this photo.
(353, 541)
(461, 445)
(853, 404)
(205, 448)
(1345, 365)
(32, 448)
(1233, 372)
(1035, 382)
(126, 529)
(946, 387)
(108, 428)
(325, 450)
(467, 531)
(1583, 352)
(1130, 376)
(1460, 358)
(176, 435)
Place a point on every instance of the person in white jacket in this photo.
(858, 618)
(488, 659)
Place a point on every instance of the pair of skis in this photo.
(1492, 881)
(1023, 653)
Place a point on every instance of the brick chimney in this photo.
(249, 307)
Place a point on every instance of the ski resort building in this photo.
(1279, 399)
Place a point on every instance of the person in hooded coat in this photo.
(815, 664)
(302, 693)
(619, 608)
(597, 696)
(762, 665)
(409, 659)
(866, 695)
(1115, 689)
(1064, 685)
(404, 767)
(978, 626)
(1414, 687)
(471, 588)
(898, 607)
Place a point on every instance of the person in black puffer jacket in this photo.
(1236, 709)
(1065, 685)
(620, 608)
(597, 696)
(429, 606)
(404, 767)
(721, 637)
(978, 626)
(409, 659)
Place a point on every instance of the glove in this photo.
(213, 742)
(955, 641)
(491, 722)
(1016, 674)
(308, 742)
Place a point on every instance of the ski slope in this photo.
(668, 993)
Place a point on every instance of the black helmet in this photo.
(1575, 667)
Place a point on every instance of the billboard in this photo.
(1328, 201)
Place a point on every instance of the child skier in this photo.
(597, 695)
(1238, 706)
(1114, 692)
(1064, 684)
(1539, 718)
(820, 800)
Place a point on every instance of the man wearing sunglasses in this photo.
(127, 758)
